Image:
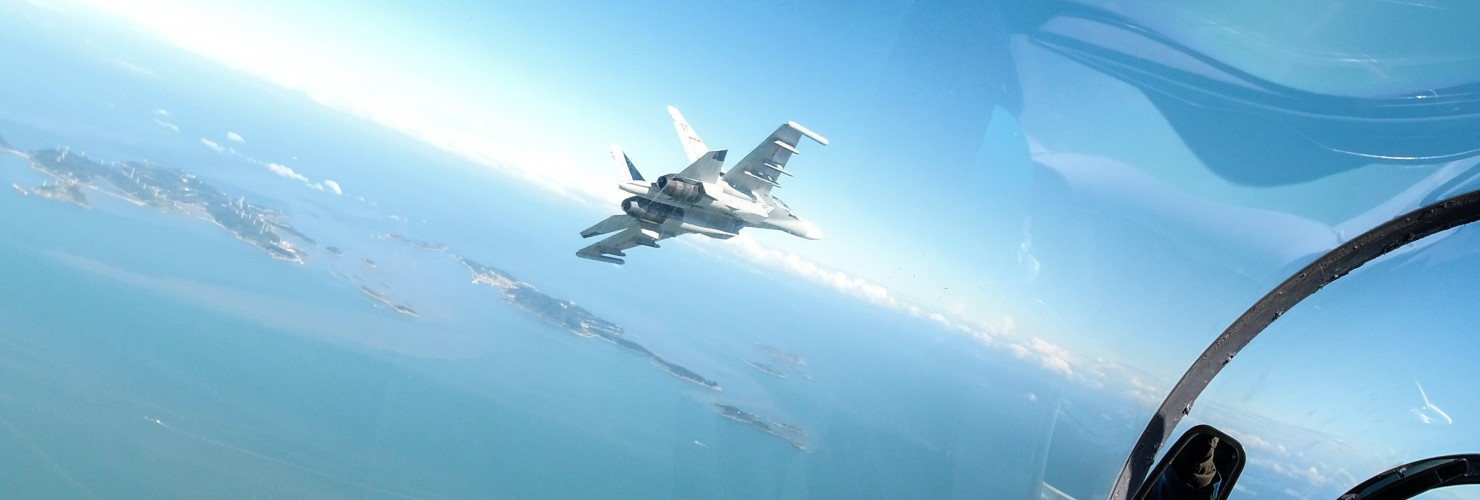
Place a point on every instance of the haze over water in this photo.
(153, 355)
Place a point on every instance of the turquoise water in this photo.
(149, 355)
(271, 379)
(1062, 173)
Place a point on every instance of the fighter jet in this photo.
(703, 198)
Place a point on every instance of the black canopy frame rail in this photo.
(1407, 228)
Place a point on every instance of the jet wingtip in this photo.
(807, 132)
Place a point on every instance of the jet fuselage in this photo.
(704, 197)
(722, 207)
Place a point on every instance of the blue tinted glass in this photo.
(289, 249)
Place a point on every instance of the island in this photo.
(781, 363)
(790, 433)
(62, 191)
(170, 190)
(767, 368)
(430, 246)
(568, 316)
(781, 355)
(385, 300)
(165, 189)
(572, 318)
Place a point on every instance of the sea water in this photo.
(151, 354)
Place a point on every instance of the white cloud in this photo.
(278, 169)
(545, 166)
(162, 112)
(214, 146)
(1141, 391)
(1309, 473)
(1018, 351)
(752, 250)
(168, 125)
(287, 172)
(136, 69)
(1051, 356)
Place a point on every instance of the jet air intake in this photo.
(649, 211)
(681, 189)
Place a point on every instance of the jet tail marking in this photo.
(693, 146)
(623, 161)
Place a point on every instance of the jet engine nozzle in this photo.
(650, 211)
(681, 189)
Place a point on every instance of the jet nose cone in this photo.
(796, 226)
(812, 232)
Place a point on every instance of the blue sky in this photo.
(544, 88)
(924, 191)
(539, 90)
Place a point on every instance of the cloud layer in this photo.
(999, 334)
(286, 172)
(278, 169)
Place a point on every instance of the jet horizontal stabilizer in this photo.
(599, 257)
(651, 238)
(613, 223)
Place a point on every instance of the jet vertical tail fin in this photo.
(693, 146)
(623, 161)
(706, 168)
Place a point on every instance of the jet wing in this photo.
(757, 173)
(630, 233)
